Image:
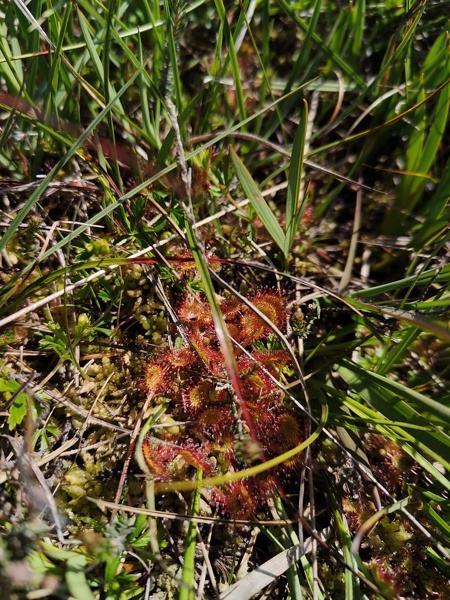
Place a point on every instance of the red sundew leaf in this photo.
(224, 446)
(217, 421)
(272, 360)
(197, 397)
(291, 466)
(288, 431)
(208, 352)
(284, 434)
(230, 308)
(158, 458)
(211, 417)
(255, 380)
(387, 579)
(236, 333)
(253, 328)
(272, 305)
(243, 498)
(237, 500)
(222, 398)
(155, 378)
(246, 365)
(262, 415)
(197, 457)
(181, 357)
(272, 397)
(193, 311)
(258, 383)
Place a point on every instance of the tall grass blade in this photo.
(232, 56)
(410, 192)
(60, 164)
(294, 212)
(188, 573)
(97, 63)
(437, 213)
(268, 219)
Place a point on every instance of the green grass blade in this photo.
(97, 63)
(350, 582)
(411, 318)
(187, 591)
(60, 164)
(370, 382)
(257, 201)
(334, 57)
(358, 14)
(395, 351)
(418, 135)
(11, 70)
(409, 194)
(439, 122)
(422, 278)
(290, 540)
(444, 526)
(232, 56)
(397, 403)
(305, 57)
(294, 213)
(437, 213)
(147, 124)
(106, 64)
(399, 435)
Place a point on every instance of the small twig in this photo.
(59, 398)
(27, 465)
(103, 504)
(129, 456)
(208, 568)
